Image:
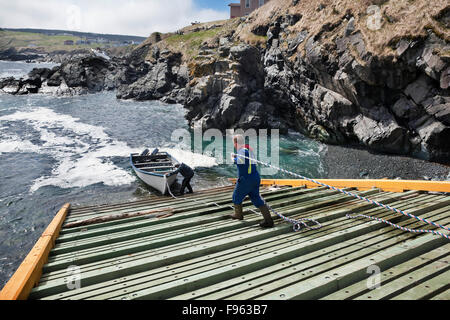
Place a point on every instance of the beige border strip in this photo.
(29, 272)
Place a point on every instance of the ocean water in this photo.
(55, 150)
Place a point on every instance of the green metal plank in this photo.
(180, 203)
(393, 273)
(178, 215)
(304, 267)
(176, 287)
(322, 285)
(407, 281)
(142, 245)
(442, 296)
(199, 215)
(242, 254)
(138, 233)
(427, 289)
(169, 273)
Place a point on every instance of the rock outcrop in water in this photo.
(12, 54)
(310, 67)
(79, 75)
(229, 92)
(163, 79)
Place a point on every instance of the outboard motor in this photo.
(155, 152)
(144, 153)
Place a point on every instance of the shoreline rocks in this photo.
(356, 162)
(80, 75)
(11, 54)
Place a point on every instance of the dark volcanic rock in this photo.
(12, 54)
(76, 76)
(345, 94)
(228, 93)
(165, 78)
(87, 73)
(10, 85)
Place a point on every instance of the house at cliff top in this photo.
(245, 7)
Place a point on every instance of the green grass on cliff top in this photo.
(190, 43)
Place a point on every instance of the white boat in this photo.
(156, 169)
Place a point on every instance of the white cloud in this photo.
(131, 17)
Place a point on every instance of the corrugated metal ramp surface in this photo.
(199, 253)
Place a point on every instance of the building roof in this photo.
(234, 4)
(200, 253)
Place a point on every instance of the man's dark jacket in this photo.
(185, 170)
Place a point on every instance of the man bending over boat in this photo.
(248, 183)
(187, 173)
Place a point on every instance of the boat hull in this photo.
(148, 169)
(157, 182)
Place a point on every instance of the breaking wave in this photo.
(84, 152)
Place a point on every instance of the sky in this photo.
(129, 17)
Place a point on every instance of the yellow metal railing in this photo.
(365, 184)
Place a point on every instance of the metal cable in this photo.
(365, 199)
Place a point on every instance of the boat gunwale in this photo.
(151, 173)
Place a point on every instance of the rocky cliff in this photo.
(374, 73)
(369, 72)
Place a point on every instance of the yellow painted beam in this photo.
(365, 184)
(30, 271)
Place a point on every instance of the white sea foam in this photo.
(15, 144)
(193, 160)
(82, 150)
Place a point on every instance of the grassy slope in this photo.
(400, 19)
(192, 39)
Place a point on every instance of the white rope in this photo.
(196, 200)
(365, 199)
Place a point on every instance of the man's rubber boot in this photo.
(268, 222)
(237, 212)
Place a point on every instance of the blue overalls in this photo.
(248, 181)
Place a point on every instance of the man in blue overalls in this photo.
(248, 183)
